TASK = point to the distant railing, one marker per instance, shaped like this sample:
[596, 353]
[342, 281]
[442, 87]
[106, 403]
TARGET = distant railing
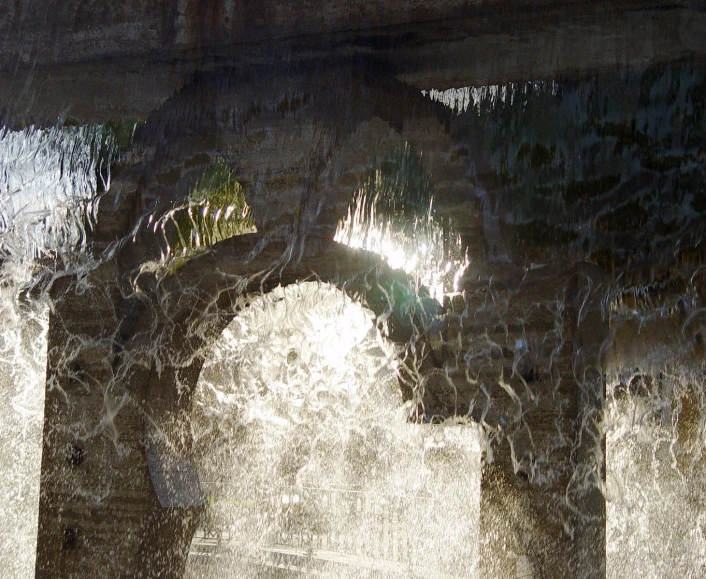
[315, 528]
[364, 524]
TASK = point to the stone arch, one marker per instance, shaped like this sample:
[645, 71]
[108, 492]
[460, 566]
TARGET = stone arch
[193, 321]
[151, 328]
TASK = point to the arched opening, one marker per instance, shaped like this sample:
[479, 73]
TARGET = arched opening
[307, 458]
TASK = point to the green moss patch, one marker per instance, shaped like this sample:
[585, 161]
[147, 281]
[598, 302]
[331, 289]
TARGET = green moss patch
[217, 211]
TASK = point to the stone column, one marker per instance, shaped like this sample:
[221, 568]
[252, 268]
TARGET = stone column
[542, 508]
[95, 495]
[585, 493]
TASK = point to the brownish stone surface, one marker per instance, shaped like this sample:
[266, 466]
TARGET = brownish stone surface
[37, 32]
[95, 63]
[119, 388]
[508, 357]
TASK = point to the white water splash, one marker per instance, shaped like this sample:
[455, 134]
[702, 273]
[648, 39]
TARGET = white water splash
[426, 251]
[302, 434]
[472, 97]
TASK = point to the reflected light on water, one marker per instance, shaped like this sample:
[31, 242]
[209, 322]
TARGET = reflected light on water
[422, 250]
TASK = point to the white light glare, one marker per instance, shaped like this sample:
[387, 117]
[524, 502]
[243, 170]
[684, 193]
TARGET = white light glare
[419, 253]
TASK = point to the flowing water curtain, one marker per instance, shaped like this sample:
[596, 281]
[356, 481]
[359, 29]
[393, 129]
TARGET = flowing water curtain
[300, 421]
[291, 360]
[23, 354]
[46, 177]
[655, 427]
[656, 481]
[474, 97]
[582, 163]
[50, 183]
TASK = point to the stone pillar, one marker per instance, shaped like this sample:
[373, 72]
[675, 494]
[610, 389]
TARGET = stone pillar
[542, 507]
[119, 496]
[95, 495]
[585, 492]
[522, 514]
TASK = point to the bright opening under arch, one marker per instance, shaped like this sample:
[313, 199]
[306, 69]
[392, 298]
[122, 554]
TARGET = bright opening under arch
[307, 458]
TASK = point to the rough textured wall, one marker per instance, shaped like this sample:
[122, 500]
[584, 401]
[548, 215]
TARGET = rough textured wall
[36, 32]
[92, 65]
